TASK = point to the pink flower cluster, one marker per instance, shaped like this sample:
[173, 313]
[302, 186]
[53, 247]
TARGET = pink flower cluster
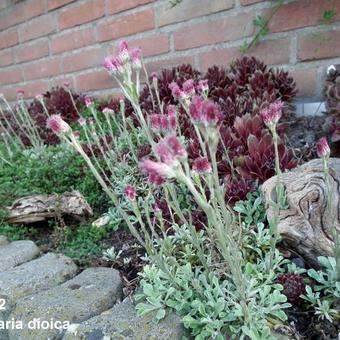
[125, 58]
[188, 88]
[272, 114]
[88, 101]
[204, 111]
[169, 150]
[57, 124]
[130, 192]
[161, 122]
[322, 148]
[201, 166]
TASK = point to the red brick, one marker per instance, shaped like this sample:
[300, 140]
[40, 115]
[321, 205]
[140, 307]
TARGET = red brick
[32, 51]
[116, 6]
[6, 57]
[38, 27]
[21, 12]
[319, 45]
[272, 52]
[42, 69]
[72, 40]
[306, 80]
[302, 13]
[126, 25]
[8, 38]
[80, 14]
[53, 4]
[188, 9]
[33, 88]
[156, 66]
[250, 2]
[11, 76]
[96, 80]
[226, 29]
[83, 59]
[152, 45]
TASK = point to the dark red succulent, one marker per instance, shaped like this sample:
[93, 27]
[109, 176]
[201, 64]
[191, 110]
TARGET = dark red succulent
[57, 101]
[293, 286]
[259, 163]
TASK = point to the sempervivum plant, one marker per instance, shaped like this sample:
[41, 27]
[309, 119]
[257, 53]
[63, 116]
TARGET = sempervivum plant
[56, 101]
[293, 286]
[248, 86]
[332, 92]
[241, 92]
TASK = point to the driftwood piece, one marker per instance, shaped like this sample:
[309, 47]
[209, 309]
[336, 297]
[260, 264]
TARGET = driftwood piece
[306, 223]
[38, 208]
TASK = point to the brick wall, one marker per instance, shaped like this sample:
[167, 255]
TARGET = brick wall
[45, 42]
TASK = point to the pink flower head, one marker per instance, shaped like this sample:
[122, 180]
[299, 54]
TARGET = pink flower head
[175, 146]
[205, 112]
[109, 111]
[165, 153]
[172, 112]
[188, 87]
[136, 58]
[155, 121]
[203, 85]
[113, 65]
[76, 134]
[57, 124]
[82, 121]
[157, 172]
[91, 121]
[88, 101]
[67, 84]
[322, 148]
[195, 108]
[109, 66]
[20, 93]
[123, 51]
[154, 76]
[39, 96]
[157, 209]
[164, 120]
[176, 91]
[201, 166]
[272, 114]
[130, 192]
[211, 113]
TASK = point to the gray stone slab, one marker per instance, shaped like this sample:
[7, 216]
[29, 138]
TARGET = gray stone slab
[37, 275]
[122, 323]
[86, 295]
[16, 253]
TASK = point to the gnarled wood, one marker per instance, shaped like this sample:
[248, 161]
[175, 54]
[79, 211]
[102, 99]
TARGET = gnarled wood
[306, 223]
[38, 208]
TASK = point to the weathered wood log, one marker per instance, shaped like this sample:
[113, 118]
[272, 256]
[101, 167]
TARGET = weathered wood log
[306, 223]
[36, 208]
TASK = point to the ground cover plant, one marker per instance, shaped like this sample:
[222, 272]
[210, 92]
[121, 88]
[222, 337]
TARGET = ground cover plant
[226, 277]
[177, 166]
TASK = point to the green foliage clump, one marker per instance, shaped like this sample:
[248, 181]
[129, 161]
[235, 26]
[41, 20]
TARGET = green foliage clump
[82, 242]
[51, 169]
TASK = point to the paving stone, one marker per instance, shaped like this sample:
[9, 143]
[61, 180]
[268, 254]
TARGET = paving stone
[37, 275]
[86, 295]
[32, 277]
[16, 253]
[3, 240]
[122, 323]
